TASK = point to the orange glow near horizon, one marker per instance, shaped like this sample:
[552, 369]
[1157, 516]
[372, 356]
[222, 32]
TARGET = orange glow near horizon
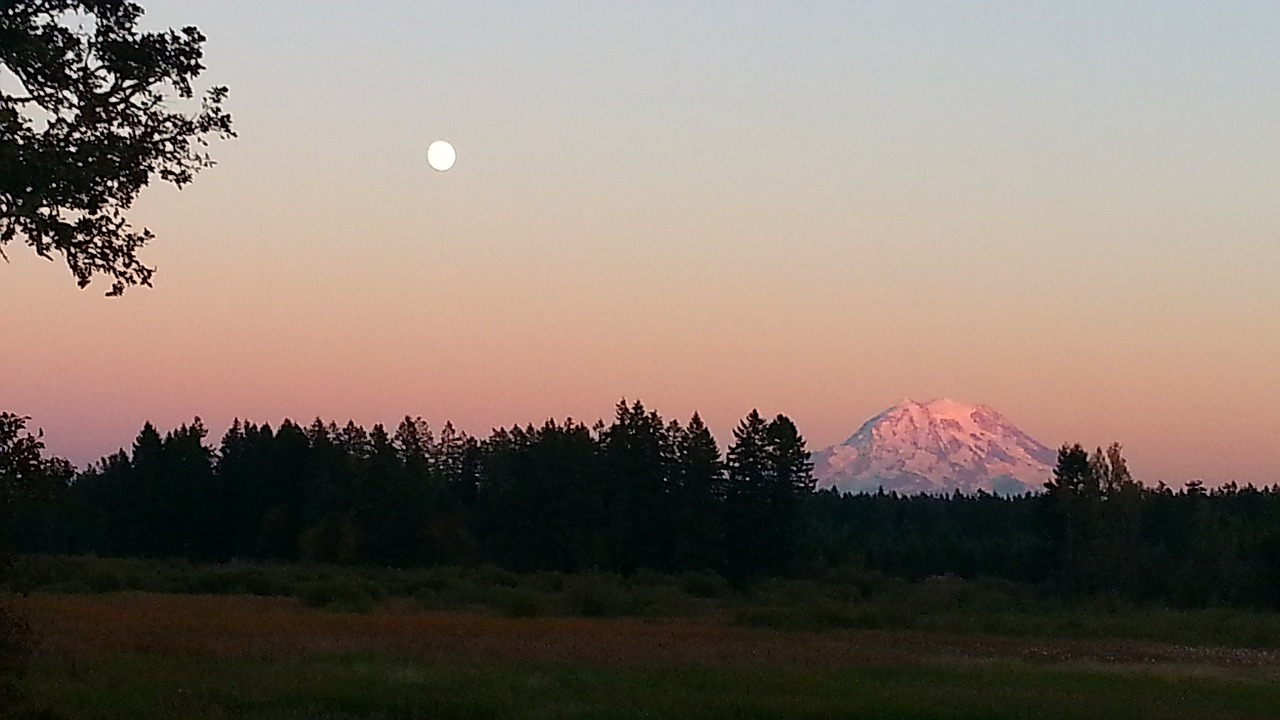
[817, 214]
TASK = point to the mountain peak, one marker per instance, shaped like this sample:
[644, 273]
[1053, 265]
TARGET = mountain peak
[936, 446]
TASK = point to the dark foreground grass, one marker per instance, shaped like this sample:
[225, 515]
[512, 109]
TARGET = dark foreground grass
[143, 687]
[148, 656]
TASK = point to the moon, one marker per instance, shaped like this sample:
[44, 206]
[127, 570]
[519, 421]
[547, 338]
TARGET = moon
[441, 156]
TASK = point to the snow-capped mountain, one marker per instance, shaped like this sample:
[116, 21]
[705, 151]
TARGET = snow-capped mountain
[936, 447]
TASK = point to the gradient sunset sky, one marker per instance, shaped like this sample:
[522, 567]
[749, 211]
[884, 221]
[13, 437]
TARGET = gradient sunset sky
[1067, 211]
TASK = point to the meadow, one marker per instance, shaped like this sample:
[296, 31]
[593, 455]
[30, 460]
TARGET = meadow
[839, 599]
[141, 639]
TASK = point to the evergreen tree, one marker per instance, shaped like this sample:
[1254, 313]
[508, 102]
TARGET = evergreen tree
[242, 461]
[747, 538]
[699, 495]
[187, 495]
[1070, 515]
[450, 459]
[415, 444]
[1094, 521]
[791, 469]
[455, 483]
[295, 491]
[567, 497]
[1118, 552]
[790, 483]
[639, 458]
[142, 504]
[541, 500]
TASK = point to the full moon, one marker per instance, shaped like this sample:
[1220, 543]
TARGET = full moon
[441, 155]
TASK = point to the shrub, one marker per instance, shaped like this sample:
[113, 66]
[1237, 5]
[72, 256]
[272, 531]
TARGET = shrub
[15, 651]
[661, 601]
[427, 599]
[826, 614]
[240, 581]
[597, 596]
[547, 581]
[345, 595]
[519, 602]
[495, 576]
[783, 591]
[104, 580]
[648, 578]
[705, 585]
[853, 583]
[463, 593]
[432, 581]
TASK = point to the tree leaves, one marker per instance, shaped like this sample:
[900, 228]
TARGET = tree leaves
[90, 124]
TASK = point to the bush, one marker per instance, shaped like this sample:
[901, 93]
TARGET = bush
[519, 602]
[495, 576]
[663, 601]
[428, 582]
[15, 651]
[547, 581]
[344, 595]
[784, 591]
[427, 599]
[827, 614]
[463, 593]
[597, 596]
[105, 580]
[237, 581]
[648, 578]
[853, 583]
[705, 585]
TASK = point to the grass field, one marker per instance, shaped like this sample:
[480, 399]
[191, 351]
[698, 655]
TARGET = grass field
[842, 599]
[142, 655]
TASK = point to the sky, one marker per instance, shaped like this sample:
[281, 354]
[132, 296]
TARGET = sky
[1066, 211]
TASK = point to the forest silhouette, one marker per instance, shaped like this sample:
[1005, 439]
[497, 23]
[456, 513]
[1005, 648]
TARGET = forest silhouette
[639, 493]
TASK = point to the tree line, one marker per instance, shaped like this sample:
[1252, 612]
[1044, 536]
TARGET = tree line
[641, 492]
[1093, 531]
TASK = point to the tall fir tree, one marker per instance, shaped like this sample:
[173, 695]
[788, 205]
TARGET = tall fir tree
[747, 553]
[639, 457]
[698, 498]
[790, 485]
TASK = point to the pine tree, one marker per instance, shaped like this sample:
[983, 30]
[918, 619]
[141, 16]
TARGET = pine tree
[790, 485]
[188, 495]
[1074, 523]
[639, 456]
[542, 499]
[455, 479]
[699, 495]
[142, 500]
[747, 535]
[1118, 552]
[415, 444]
[792, 470]
[450, 462]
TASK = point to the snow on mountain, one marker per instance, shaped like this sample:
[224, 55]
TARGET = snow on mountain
[936, 447]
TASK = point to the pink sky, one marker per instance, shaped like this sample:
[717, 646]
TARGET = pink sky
[1183, 405]
[817, 214]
